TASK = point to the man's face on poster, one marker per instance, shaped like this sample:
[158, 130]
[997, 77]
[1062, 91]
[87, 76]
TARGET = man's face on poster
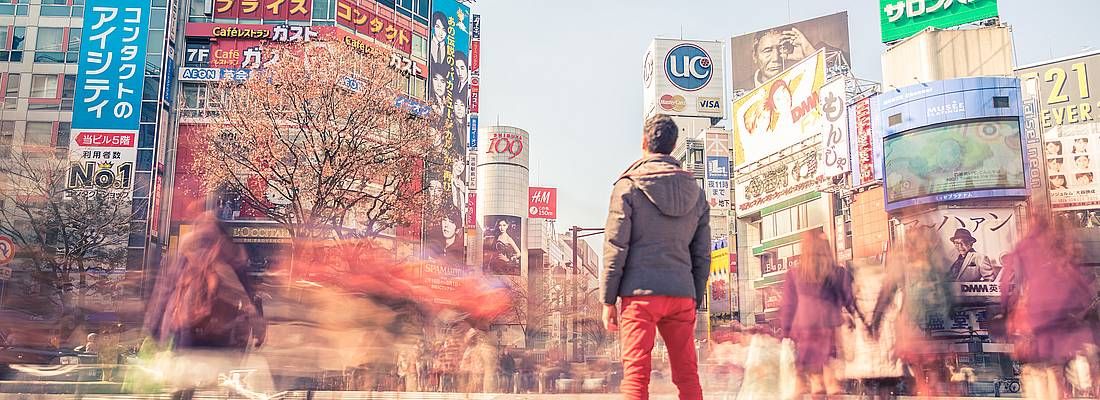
[770, 54]
[963, 246]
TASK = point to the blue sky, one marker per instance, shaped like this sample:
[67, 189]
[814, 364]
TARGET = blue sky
[569, 72]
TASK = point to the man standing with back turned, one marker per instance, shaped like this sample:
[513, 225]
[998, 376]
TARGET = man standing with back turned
[657, 259]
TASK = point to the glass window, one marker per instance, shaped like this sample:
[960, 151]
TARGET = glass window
[152, 87]
[43, 86]
[11, 92]
[55, 2]
[145, 160]
[68, 92]
[155, 42]
[157, 18]
[322, 9]
[49, 39]
[146, 136]
[56, 11]
[423, 10]
[63, 131]
[7, 137]
[39, 134]
[152, 65]
[74, 39]
[420, 47]
[19, 34]
[419, 88]
[198, 8]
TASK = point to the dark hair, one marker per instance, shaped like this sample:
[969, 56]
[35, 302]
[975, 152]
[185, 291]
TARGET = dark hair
[758, 36]
[660, 134]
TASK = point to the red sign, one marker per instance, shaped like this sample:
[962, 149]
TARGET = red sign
[290, 10]
[475, 93]
[381, 28]
[542, 203]
[471, 210]
[105, 139]
[863, 141]
[475, 56]
[771, 297]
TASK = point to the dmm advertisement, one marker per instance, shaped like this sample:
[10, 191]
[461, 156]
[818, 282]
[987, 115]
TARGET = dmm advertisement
[760, 56]
[501, 249]
[954, 161]
[109, 86]
[903, 18]
[780, 113]
[1064, 117]
[973, 244]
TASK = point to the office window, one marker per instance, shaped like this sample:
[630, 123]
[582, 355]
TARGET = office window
[420, 47]
[12, 39]
[43, 86]
[49, 45]
[57, 8]
[11, 92]
[7, 138]
[68, 92]
[64, 129]
[72, 52]
[39, 134]
[419, 88]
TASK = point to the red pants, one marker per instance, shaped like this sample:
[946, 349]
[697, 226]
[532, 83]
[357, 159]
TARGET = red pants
[674, 317]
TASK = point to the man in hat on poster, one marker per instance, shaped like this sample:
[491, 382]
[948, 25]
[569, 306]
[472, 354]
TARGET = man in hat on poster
[970, 266]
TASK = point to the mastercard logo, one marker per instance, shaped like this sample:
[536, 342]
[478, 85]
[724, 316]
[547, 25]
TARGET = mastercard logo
[673, 103]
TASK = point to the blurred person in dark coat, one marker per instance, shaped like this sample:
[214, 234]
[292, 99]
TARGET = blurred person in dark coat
[816, 295]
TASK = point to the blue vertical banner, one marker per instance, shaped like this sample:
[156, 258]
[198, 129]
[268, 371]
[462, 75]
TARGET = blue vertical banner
[109, 84]
[473, 132]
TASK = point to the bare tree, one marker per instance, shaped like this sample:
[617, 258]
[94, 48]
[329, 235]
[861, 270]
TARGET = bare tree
[74, 237]
[318, 143]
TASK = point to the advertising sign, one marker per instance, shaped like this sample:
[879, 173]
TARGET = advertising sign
[471, 210]
[718, 287]
[780, 113]
[789, 177]
[292, 10]
[472, 140]
[684, 78]
[718, 171]
[770, 297]
[448, 67]
[961, 160]
[760, 56]
[903, 18]
[833, 129]
[443, 239]
[109, 87]
[1059, 111]
[382, 28]
[974, 243]
[501, 248]
[506, 146]
[864, 160]
[542, 203]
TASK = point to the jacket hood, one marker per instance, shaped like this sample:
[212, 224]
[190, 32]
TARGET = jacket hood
[668, 186]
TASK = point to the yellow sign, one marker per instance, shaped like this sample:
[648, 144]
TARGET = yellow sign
[780, 112]
[720, 261]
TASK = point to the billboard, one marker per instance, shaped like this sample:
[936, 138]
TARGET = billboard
[109, 86]
[291, 10]
[901, 19]
[719, 287]
[383, 28]
[833, 129]
[862, 150]
[448, 68]
[1059, 116]
[760, 56]
[683, 78]
[718, 170]
[542, 203]
[779, 113]
[954, 161]
[973, 244]
[774, 183]
[502, 253]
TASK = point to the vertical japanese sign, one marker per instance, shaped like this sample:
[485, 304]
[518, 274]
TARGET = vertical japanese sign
[864, 166]
[542, 203]
[833, 129]
[475, 78]
[718, 170]
[903, 18]
[109, 85]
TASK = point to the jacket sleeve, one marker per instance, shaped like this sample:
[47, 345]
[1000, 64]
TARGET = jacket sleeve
[616, 241]
[700, 252]
[788, 304]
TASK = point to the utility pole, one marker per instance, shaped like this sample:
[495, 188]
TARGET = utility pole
[578, 233]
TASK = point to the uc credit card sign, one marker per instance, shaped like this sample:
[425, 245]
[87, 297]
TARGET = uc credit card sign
[107, 110]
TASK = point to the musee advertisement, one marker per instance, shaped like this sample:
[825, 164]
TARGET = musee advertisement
[780, 113]
[760, 56]
[1065, 119]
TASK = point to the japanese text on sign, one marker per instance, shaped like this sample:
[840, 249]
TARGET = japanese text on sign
[291, 10]
[382, 29]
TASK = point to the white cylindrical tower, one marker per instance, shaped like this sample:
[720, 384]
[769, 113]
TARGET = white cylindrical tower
[502, 182]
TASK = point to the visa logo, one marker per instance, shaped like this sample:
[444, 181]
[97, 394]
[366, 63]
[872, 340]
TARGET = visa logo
[709, 104]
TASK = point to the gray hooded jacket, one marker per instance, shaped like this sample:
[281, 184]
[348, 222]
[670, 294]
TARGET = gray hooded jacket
[657, 234]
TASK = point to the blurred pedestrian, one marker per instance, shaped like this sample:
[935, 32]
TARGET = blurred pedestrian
[924, 283]
[1046, 306]
[657, 259]
[90, 346]
[507, 369]
[816, 295]
[407, 370]
[761, 365]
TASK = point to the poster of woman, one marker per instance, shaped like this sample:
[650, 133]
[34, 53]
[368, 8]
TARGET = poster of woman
[502, 253]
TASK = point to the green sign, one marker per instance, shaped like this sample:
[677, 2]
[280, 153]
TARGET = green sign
[903, 18]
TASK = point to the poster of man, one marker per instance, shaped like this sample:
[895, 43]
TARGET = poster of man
[760, 56]
[502, 253]
[973, 245]
[445, 238]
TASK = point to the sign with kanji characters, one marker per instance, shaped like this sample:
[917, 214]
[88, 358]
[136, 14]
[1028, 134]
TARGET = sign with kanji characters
[833, 129]
[903, 18]
[276, 33]
[863, 159]
[109, 88]
[543, 203]
[290, 10]
[379, 27]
